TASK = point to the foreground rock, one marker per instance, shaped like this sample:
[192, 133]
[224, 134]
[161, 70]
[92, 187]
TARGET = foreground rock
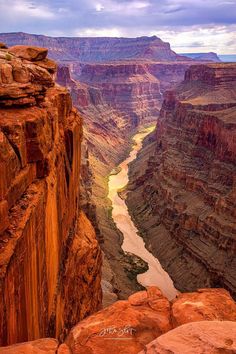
[128, 326]
[29, 53]
[39, 346]
[50, 261]
[210, 337]
[205, 304]
[125, 326]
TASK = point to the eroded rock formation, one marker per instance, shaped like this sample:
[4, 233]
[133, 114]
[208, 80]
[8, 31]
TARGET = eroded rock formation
[50, 261]
[183, 183]
[148, 317]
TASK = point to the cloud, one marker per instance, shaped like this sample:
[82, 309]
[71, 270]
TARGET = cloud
[186, 24]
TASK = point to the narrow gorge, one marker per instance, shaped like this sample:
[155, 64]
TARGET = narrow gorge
[132, 242]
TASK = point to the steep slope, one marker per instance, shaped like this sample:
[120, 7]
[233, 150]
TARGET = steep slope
[50, 261]
[183, 183]
[97, 49]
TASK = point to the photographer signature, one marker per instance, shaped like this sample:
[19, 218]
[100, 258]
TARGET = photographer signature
[113, 333]
[120, 332]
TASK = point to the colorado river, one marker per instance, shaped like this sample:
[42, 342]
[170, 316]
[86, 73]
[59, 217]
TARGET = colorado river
[133, 243]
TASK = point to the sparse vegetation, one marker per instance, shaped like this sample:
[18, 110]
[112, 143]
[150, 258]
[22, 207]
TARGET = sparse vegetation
[8, 57]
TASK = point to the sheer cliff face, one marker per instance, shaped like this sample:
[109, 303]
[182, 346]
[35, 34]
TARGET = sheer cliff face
[127, 87]
[97, 49]
[188, 189]
[50, 261]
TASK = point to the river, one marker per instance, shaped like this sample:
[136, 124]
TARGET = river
[133, 243]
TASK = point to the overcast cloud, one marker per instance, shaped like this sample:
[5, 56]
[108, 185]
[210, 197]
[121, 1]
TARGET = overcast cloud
[190, 26]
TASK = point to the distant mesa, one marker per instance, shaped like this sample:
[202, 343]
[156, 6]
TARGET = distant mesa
[102, 49]
[210, 56]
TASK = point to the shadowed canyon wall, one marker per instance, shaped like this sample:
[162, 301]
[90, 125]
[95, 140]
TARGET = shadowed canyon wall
[183, 196]
[50, 261]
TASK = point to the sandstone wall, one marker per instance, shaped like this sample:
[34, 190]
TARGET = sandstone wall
[184, 202]
[50, 261]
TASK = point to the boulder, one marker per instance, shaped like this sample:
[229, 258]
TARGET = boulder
[206, 337]
[29, 52]
[126, 326]
[3, 45]
[205, 304]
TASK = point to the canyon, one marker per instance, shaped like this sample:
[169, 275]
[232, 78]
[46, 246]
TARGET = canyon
[182, 185]
[57, 161]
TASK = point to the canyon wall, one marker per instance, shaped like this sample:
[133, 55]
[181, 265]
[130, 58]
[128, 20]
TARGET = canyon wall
[183, 184]
[97, 49]
[50, 261]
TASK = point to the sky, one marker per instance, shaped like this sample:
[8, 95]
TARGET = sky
[189, 25]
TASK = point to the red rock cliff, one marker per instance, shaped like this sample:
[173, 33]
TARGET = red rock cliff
[50, 260]
[189, 184]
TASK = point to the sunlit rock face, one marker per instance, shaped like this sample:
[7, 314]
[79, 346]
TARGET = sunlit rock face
[50, 261]
[145, 322]
[188, 210]
[211, 337]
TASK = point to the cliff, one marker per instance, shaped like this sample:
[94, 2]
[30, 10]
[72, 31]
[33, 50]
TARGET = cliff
[50, 261]
[101, 49]
[128, 87]
[183, 183]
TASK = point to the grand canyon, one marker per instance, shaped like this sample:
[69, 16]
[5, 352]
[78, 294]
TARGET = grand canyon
[117, 197]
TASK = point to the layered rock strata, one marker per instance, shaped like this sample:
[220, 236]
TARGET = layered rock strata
[183, 183]
[127, 87]
[50, 261]
[97, 49]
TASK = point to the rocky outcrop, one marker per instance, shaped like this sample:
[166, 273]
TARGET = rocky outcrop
[185, 178]
[50, 261]
[125, 326]
[205, 304]
[211, 337]
[97, 49]
[148, 317]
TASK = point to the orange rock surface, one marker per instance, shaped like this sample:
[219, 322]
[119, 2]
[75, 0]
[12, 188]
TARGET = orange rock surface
[205, 304]
[50, 261]
[127, 327]
[39, 346]
[124, 327]
[207, 337]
